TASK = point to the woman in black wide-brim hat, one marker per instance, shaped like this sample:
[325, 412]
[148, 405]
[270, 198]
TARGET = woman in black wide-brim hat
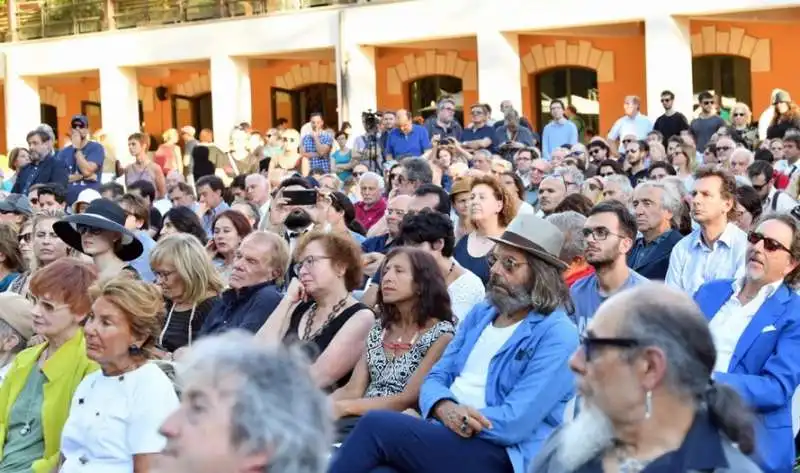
[100, 232]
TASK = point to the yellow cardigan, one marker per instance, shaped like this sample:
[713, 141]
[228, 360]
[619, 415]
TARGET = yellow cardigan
[65, 369]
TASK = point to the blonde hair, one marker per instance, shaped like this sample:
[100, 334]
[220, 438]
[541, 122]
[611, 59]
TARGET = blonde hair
[141, 303]
[170, 134]
[748, 115]
[192, 265]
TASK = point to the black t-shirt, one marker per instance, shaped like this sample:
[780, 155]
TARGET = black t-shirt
[180, 324]
[671, 125]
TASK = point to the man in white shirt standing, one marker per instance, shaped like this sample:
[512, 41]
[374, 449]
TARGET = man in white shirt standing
[257, 191]
[717, 248]
[16, 328]
[755, 322]
[632, 123]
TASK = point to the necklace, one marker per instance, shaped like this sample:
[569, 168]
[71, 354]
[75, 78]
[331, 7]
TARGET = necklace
[628, 464]
[313, 314]
[450, 271]
[391, 348]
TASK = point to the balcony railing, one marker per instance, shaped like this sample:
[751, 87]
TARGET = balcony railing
[51, 18]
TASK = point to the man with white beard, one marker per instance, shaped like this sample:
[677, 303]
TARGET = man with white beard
[649, 402]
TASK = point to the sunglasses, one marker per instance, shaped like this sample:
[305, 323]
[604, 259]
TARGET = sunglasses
[606, 174]
[770, 244]
[738, 114]
[708, 102]
[594, 151]
[78, 126]
[86, 229]
[589, 344]
[758, 187]
[666, 100]
[25, 238]
[358, 174]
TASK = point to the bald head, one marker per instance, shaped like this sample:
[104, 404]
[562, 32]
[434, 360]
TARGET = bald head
[257, 189]
[395, 211]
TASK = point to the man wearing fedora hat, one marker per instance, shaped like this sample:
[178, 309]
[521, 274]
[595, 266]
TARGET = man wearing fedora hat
[100, 232]
[16, 328]
[503, 382]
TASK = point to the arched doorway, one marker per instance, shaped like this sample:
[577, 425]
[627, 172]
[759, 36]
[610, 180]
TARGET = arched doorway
[50, 117]
[423, 93]
[575, 86]
[728, 76]
[194, 111]
[296, 105]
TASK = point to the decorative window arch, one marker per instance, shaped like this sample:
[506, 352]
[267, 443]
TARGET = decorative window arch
[425, 92]
[574, 85]
[300, 75]
[564, 54]
[431, 63]
[734, 42]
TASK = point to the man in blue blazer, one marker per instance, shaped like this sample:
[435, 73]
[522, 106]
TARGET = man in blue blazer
[755, 322]
[501, 386]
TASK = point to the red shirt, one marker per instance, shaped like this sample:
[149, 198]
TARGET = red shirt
[573, 273]
[370, 216]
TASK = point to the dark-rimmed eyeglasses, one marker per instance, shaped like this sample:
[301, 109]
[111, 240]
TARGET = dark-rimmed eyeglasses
[770, 244]
[590, 343]
[599, 233]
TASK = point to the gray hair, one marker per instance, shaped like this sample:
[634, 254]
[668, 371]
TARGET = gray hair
[276, 409]
[676, 183]
[670, 199]
[623, 182]
[7, 330]
[483, 152]
[662, 317]
[255, 212]
[373, 176]
[417, 170]
[445, 100]
[569, 171]
[571, 225]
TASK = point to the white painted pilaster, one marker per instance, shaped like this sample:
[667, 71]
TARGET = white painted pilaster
[498, 70]
[358, 83]
[23, 106]
[668, 62]
[231, 97]
[119, 99]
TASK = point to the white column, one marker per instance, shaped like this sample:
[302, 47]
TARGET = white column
[668, 62]
[23, 107]
[358, 83]
[231, 99]
[499, 70]
[119, 98]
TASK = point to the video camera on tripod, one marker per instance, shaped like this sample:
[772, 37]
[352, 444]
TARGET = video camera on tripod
[371, 121]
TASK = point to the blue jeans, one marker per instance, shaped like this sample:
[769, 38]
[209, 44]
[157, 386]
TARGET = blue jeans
[391, 442]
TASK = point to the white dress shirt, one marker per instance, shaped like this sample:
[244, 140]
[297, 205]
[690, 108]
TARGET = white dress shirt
[733, 317]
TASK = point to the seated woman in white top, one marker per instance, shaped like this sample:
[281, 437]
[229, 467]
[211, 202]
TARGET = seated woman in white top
[433, 232]
[116, 412]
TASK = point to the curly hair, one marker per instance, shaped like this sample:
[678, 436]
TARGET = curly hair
[508, 211]
[433, 300]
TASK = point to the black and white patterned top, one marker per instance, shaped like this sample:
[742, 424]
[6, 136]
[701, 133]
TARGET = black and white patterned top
[389, 376]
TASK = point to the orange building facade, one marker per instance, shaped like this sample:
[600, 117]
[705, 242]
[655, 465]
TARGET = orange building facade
[742, 56]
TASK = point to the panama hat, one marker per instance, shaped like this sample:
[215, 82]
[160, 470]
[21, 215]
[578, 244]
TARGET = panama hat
[536, 236]
[105, 215]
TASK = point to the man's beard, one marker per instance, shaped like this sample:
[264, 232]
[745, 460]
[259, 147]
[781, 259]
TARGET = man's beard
[601, 261]
[297, 219]
[584, 438]
[508, 300]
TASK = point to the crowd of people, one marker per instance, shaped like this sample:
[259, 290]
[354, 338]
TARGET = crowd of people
[427, 296]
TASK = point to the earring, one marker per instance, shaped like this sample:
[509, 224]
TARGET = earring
[133, 350]
[648, 404]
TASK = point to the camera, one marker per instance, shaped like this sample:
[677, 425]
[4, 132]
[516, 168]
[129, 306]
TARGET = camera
[371, 120]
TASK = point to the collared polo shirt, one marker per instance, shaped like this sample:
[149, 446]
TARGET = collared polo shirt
[414, 144]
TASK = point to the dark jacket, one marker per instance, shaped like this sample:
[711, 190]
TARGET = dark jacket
[652, 261]
[245, 309]
[47, 171]
[704, 450]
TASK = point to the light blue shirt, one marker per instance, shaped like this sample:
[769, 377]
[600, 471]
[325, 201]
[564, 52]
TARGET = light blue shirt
[638, 125]
[587, 296]
[557, 133]
[693, 263]
[142, 263]
[211, 215]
